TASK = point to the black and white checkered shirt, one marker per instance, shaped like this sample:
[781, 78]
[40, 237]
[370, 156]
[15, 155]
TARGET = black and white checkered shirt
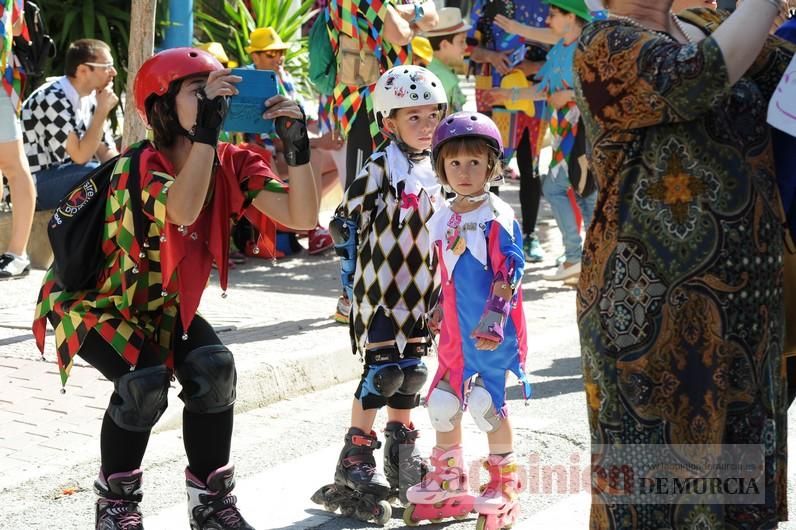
[48, 116]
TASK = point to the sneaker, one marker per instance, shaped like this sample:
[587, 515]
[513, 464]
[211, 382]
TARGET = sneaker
[563, 272]
[343, 311]
[533, 249]
[12, 266]
[320, 240]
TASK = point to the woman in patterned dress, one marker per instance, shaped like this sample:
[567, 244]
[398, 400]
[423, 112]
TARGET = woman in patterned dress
[680, 297]
[139, 326]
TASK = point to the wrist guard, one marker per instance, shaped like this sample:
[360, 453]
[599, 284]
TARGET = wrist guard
[293, 134]
[210, 114]
[493, 320]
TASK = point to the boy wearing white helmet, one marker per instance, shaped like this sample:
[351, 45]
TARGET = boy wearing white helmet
[387, 272]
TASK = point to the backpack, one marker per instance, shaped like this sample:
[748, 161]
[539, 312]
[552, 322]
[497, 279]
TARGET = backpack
[76, 227]
[323, 62]
[33, 54]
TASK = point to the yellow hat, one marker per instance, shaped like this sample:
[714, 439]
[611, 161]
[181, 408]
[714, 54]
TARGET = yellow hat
[265, 39]
[516, 79]
[216, 50]
[421, 47]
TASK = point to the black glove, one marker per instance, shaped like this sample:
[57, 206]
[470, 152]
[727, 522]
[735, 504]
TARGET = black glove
[210, 114]
[293, 134]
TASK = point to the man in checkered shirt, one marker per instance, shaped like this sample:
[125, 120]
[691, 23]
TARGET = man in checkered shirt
[66, 132]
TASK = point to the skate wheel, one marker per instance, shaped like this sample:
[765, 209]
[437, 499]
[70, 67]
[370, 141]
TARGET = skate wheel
[461, 517]
[382, 513]
[347, 511]
[436, 520]
[409, 511]
[331, 507]
[480, 524]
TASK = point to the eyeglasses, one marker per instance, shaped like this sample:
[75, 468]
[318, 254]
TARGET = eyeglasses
[106, 66]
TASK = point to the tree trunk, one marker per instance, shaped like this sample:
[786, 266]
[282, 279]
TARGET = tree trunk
[142, 44]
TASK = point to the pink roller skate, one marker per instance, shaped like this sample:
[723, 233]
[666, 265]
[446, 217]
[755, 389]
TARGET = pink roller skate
[498, 505]
[443, 493]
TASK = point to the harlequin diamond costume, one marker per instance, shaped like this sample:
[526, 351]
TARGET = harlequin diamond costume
[139, 326]
[388, 273]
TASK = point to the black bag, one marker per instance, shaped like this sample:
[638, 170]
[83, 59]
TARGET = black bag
[580, 173]
[76, 228]
[34, 54]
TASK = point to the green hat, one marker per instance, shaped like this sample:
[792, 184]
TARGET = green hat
[576, 7]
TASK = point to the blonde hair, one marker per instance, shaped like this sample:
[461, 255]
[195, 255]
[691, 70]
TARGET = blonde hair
[468, 146]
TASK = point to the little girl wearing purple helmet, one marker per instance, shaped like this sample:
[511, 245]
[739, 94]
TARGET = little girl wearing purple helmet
[481, 325]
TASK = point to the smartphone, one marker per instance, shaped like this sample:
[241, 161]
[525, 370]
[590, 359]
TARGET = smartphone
[246, 108]
[517, 56]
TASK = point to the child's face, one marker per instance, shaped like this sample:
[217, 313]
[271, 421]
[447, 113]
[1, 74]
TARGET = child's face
[560, 23]
[467, 172]
[452, 52]
[415, 125]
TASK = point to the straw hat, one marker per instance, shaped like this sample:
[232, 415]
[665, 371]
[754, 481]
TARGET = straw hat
[265, 39]
[450, 22]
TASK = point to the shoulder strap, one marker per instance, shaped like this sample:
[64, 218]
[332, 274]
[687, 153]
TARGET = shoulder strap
[134, 185]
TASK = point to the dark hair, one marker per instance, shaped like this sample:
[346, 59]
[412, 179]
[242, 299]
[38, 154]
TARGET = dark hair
[82, 51]
[436, 42]
[161, 113]
[467, 145]
[579, 20]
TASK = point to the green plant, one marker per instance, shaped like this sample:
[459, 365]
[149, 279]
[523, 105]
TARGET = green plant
[230, 22]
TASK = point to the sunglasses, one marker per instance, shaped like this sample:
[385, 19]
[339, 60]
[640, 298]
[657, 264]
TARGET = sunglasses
[106, 66]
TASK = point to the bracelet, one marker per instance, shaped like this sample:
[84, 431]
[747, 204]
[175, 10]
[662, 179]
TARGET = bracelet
[515, 94]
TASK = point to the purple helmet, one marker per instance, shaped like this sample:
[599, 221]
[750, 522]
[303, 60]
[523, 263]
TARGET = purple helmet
[464, 124]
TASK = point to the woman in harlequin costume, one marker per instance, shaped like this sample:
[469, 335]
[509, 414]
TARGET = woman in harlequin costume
[139, 325]
[481, 323]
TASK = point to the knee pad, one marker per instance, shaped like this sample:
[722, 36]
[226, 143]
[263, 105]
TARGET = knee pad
[208, 378]
[139, 399]
[382, 380]
[444, 407]
[415, 375]
[482, 409]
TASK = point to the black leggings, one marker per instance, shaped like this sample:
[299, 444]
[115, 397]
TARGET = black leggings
[359, 145]
[207, 437]
[530, 183]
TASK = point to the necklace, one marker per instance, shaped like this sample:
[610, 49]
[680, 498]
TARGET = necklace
[659, 32]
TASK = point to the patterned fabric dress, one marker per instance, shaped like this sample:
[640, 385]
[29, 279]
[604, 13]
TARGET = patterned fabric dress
[143, 291]
[363, 20]
[472, 249]
[680, 298]
[391, 201]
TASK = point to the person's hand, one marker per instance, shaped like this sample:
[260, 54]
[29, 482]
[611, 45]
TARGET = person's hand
[106, 99]
[221, 83]
[497, 96]
[560, 99]
[507, 25]
[499, 61]
[291, 126]
[434, 320]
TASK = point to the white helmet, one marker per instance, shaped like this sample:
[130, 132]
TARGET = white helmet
[406, 86]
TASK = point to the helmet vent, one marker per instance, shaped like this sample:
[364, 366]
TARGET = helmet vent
[193, 54]
[473, 118]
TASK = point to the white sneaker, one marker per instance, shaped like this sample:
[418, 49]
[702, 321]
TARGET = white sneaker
[562, 273]
[12, 266]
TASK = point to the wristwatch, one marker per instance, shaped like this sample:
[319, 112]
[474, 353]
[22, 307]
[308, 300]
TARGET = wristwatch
[419, 13]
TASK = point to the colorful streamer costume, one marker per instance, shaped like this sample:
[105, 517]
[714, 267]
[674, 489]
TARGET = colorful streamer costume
[13, 76]
[474, 248]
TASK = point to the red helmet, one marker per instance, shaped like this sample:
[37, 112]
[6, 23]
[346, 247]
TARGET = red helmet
[161, 69]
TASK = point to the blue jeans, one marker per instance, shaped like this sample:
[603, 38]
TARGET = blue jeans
[54, 183]
[555, 190]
